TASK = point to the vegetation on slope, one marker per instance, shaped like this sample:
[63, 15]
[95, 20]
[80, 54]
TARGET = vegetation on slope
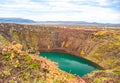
[3, 40]
[107, 54]
[18, 66]
[107, 50]
[103, 76]
[97, 45]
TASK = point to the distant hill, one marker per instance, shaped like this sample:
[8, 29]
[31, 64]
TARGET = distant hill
[15, 20]
[28, 21]
[77, 23]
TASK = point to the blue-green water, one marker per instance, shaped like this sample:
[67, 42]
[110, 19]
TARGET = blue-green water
[70, 63]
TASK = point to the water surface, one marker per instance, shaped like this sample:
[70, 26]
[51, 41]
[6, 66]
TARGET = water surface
[70, 63]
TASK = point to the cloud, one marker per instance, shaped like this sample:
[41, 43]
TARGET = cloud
[72, 10]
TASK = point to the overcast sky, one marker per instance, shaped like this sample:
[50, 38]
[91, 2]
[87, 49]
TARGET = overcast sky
[104, 11]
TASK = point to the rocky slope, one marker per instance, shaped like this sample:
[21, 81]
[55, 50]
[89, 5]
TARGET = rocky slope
[17, 66]
[103, 76]
[91, 42]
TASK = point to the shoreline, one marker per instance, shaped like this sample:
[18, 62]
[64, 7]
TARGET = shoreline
[63, 50]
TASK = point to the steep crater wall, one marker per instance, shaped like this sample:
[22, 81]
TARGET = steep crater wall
[41, 37]
[93, 44]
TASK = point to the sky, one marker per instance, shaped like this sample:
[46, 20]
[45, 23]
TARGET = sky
[103, 11]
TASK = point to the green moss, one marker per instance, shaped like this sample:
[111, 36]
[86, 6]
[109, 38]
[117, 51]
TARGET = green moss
[6, 56]
[33, 66]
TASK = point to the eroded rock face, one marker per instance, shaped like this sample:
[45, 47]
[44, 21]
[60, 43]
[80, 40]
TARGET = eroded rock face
[41, 37]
